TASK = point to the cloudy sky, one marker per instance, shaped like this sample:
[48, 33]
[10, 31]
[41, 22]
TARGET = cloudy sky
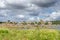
[29, 10]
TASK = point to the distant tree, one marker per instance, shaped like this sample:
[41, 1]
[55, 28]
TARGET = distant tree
[56, 22]
[46, 23]
[24, 23]
[1, 22]
[32, 23]
[8, 21]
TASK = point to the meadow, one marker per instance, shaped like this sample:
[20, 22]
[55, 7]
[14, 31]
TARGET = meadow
[34, 34]
[28, 31]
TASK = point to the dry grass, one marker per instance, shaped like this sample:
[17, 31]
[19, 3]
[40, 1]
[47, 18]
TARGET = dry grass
[22, 26]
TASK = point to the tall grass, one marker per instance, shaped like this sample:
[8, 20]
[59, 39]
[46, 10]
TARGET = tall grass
[42, 34]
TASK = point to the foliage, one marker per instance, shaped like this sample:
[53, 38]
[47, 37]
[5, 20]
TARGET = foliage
[56, 22]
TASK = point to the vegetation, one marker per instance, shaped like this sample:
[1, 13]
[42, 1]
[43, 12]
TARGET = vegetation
[15, 33]
[42, 34]
[56, 22]
[32, 23]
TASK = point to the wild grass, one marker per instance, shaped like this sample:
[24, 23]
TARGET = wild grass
[34, 34]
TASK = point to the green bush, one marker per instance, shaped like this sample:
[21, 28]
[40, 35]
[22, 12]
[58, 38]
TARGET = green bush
[42, 34]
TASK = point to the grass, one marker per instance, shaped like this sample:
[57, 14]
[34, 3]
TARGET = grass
[41, 34]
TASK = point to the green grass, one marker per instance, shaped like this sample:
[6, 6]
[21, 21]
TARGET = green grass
[42, 34]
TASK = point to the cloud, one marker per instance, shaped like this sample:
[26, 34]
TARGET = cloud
[20, 16]
[2, 3]
[14, 4]
[25, 4]
[54, 16]
[33, 18]
[44, 3]
[29, 8]
[3, 13]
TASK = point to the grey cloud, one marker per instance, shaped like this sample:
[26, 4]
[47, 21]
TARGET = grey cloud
[15, 6]
[27, 8]
[58, 18]
[44, 3]
[35, 13]
[2, 16]
[57, 6]
[23, 5]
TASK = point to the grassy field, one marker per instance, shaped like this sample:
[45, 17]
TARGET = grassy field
[34, 34]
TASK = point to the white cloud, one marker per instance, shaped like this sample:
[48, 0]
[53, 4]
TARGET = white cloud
[33, 19]
[2, 4]
[53, 16]
[20, 16]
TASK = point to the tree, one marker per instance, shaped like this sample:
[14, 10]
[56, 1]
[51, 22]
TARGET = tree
[8, 21]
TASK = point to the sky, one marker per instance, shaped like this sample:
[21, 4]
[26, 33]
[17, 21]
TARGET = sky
[29, 10]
